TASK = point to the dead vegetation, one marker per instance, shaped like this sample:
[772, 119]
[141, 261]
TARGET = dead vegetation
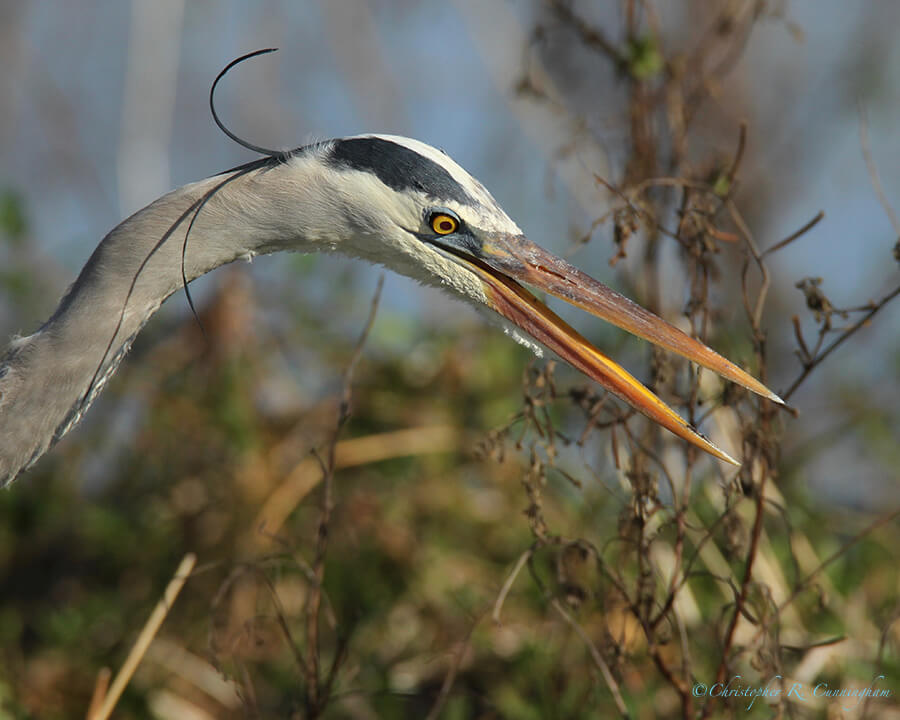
[470, 543]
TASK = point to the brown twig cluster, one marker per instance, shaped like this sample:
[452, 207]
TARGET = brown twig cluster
[666, 192]
[274, 625]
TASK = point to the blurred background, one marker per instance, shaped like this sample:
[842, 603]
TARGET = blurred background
[469, 454]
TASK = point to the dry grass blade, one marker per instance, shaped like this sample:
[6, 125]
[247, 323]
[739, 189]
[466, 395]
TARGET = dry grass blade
[197, 671]
[307, 474]
[151, 627]
[101, 685]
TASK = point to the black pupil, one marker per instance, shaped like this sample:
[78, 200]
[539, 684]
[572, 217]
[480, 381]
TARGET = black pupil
[446, 225]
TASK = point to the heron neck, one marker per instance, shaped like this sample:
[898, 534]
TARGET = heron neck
[48, 380]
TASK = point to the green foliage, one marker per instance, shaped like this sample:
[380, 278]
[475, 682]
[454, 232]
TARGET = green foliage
[13, 225]
[644, 57]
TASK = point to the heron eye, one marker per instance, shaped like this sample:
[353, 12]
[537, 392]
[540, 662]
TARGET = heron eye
[444, 224]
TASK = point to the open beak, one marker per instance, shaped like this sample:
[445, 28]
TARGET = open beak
[505, 259]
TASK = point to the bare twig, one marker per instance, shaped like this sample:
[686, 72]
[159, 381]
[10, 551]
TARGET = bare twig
[882, 521]
[315, 703]
[589, 35]
[795, 235]
[450, 677]
[879, 656]
[595, 654]
[754, 314]
[873, 170]
[508, 583]
[741, 601]
[819, 357]
[738, 156]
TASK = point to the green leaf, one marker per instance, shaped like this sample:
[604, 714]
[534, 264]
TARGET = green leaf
[644, 58]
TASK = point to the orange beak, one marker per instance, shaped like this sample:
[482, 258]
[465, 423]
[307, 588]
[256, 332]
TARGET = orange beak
[504, 259]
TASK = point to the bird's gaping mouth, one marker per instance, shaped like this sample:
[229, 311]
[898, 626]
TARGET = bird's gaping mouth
[507, 260]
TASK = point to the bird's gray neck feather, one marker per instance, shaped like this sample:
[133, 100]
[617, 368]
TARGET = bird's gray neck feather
[48, 379]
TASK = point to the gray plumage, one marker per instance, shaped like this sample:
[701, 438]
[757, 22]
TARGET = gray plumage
[321, 198]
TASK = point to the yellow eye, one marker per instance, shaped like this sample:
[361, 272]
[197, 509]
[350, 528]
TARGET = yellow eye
[443, 224]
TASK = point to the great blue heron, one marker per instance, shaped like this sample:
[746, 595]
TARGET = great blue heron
[387, 199]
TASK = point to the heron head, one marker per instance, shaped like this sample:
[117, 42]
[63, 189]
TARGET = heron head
[412, 208]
